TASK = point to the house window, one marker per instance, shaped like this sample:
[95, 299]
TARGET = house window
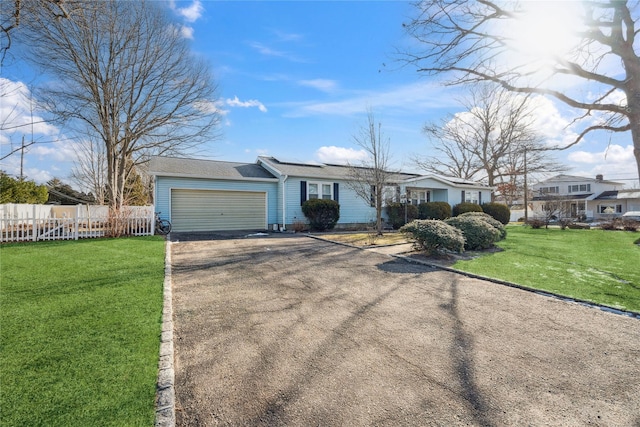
[579, 188]
[389, 194]
[318, 190]
[420, 196]
[472, 197]
[550, 190]
[609, 209]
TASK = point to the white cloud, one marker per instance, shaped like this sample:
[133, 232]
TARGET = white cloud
[614, 153]
[191, 13]
[186, 32]
[408, 98]
[266, 50]
[323, 85]
[614, 162]
[19, 112]
[235, 102]
[287, 37]
[340, 155]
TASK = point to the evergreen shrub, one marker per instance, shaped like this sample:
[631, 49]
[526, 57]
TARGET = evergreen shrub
[434, 210]
[489, 220]
[433, 236]
[395, 213]
[478, 234]
[466, 207]
[498, 211]
[323, 214]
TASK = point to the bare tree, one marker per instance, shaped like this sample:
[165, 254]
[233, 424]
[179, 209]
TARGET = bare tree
[467, 41]
[89, 171]
[13, 15]
[370, 179]
[125, 77]
[488, 141]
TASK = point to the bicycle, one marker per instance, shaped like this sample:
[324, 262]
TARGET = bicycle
[163, 226]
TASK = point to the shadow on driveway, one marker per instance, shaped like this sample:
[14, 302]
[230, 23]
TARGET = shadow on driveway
[281, 331]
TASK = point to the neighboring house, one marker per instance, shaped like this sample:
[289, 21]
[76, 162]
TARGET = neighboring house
[584, 198]
[206, 195]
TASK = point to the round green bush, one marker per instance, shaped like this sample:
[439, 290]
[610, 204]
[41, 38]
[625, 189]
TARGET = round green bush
[434, 210]
[433, 236]
[489, 220]
[323, 214]
[466, 207]
[478, 234]
[395, 213]
[498, 211]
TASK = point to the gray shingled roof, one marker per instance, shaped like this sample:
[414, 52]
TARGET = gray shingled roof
[174, 166]
[326, 171]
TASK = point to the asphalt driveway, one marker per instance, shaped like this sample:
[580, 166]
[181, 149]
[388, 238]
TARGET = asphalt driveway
[295, 331]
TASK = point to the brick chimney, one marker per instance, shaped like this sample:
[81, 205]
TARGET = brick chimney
[599, 177]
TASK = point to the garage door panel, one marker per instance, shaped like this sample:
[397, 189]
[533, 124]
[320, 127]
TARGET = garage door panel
[210, 210]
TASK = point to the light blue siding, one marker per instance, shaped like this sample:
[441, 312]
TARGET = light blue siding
[352, 208]
[164, 185]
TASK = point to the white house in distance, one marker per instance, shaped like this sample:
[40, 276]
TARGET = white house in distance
[207, 195]
[585, 198]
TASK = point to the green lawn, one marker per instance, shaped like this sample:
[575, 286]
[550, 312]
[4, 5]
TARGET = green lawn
[593, 265]
[80, 332]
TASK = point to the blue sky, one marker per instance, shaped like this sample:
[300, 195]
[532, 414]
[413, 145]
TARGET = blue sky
[295, 80]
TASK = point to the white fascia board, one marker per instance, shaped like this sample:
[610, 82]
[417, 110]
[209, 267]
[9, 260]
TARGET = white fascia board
[267, 165]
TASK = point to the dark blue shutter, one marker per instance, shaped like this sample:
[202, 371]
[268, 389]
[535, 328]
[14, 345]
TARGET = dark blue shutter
[479, 197]
[462, 197]
[373, 196]
[336, 192]
[303, 192]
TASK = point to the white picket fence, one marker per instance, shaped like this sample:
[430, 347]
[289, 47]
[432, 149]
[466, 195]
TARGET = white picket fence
[24, 222]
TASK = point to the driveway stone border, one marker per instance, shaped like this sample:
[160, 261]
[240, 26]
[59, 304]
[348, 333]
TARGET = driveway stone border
[165, 392]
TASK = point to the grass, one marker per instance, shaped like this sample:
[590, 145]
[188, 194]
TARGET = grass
[80, 332]
[592, 265]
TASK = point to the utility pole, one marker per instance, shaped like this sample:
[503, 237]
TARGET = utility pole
[526, 190]
[22, 160]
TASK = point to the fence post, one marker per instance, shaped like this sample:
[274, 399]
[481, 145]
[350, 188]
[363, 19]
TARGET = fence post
[34, 224]
[76, 223]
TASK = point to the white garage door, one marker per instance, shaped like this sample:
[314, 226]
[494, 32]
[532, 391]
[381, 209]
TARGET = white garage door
[211, 210]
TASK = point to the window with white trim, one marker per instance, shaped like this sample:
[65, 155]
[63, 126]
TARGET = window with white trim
[319, 190]
[419, 196]
[609, 209]
[472, 197]
[389, 194]
[549, 190]
[579, 188]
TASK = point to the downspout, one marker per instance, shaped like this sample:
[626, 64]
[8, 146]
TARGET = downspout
[284, 204]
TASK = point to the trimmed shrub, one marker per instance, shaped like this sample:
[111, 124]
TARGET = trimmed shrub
[323, 214]
[466, 207]
[434, 210]
[478, 234]
[433, 236]
[630, 225]
[395, 213]
[536, 223]
[498, 211]
[489, 220]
